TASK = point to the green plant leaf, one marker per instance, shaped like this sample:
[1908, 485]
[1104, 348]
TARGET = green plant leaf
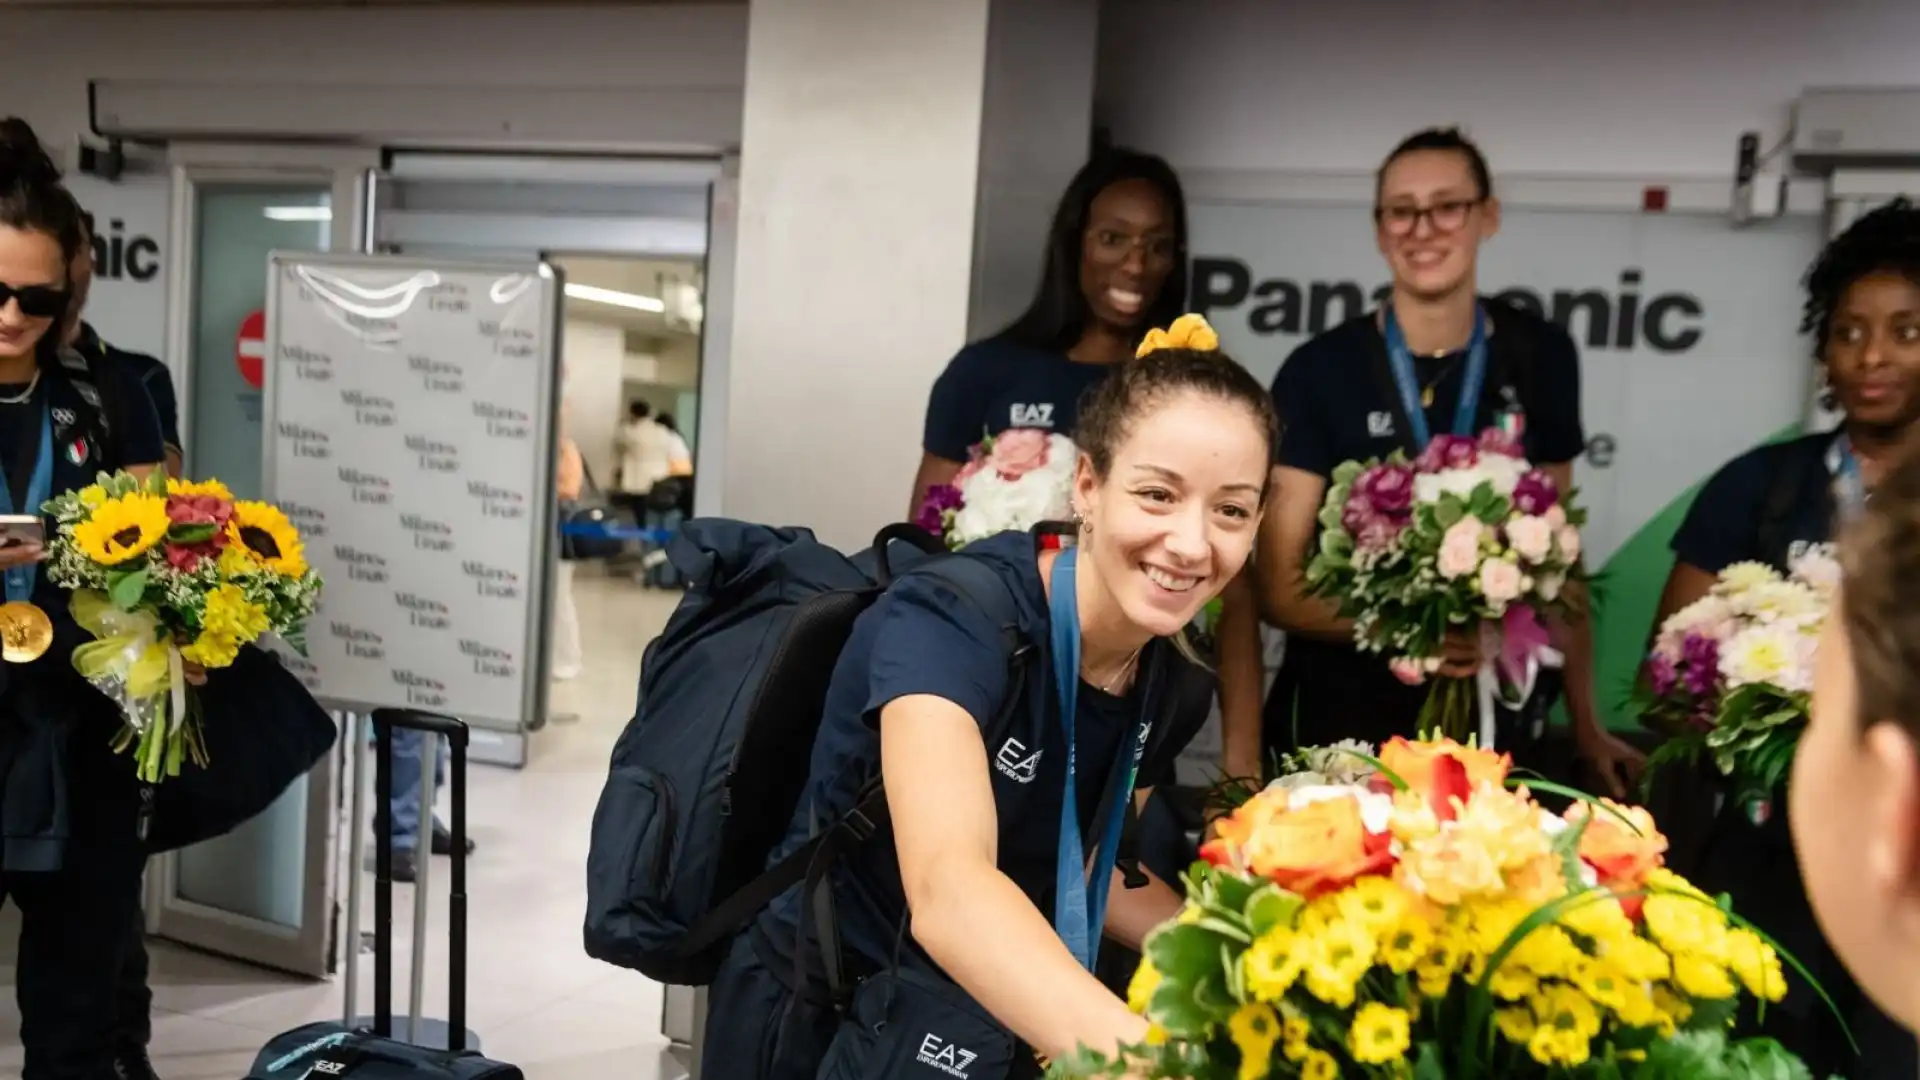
[191, 534]
[126, 588]
[1184, 952]
[1448, 512]
[1271, 906]
[157, 483]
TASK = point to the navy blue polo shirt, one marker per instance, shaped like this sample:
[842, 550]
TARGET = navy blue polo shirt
[1337, 403]
[150, 373]
[1725, 524]
[923, 638]
[997, 384]
[59, 777]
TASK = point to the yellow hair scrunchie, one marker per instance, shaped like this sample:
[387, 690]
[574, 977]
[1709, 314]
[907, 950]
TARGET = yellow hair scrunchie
[1187, 332]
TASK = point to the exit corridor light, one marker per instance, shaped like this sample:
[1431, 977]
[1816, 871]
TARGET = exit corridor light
[299, 213]
[617, 299]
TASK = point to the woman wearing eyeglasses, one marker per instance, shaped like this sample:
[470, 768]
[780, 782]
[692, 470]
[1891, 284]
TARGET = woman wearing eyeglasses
[1435, 358]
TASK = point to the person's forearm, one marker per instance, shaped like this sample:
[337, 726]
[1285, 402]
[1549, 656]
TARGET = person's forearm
[1571, 631]
[1285, 603]
[984, 932]
[1132, 914]
[1241, 670]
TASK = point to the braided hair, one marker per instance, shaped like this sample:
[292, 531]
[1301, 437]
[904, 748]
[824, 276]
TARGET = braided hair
[1885, 240]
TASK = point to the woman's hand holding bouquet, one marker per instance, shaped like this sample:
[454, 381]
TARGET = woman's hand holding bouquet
[1468, 540]
[168, 576]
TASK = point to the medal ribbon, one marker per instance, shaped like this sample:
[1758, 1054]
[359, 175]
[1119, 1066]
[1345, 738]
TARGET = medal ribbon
[1849, 490]
[1400, 359]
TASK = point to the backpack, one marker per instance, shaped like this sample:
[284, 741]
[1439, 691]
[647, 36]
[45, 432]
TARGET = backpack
[705, 779]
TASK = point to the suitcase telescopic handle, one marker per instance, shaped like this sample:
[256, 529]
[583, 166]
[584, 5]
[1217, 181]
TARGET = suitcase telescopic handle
[385, 722]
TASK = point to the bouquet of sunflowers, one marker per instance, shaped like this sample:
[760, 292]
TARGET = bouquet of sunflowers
[1428, 919]
[165, 572]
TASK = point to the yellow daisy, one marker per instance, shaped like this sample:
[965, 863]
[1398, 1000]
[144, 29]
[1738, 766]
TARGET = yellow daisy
[122, 529]
[265, 535]
[190, 488]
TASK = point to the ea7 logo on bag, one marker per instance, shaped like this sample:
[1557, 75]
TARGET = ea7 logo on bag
[329, 1068]
[1038, 415]
[948, 1057]
[1015, 763]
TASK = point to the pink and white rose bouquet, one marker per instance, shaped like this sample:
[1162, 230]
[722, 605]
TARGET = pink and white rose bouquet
[1732, 672]
[1469, 537]
[1014, 480]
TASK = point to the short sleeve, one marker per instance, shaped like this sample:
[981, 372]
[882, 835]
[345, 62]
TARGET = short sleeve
[1554, 431]
[1722, 526]
[956, 407]
[166, 406]
[932, 641]
[1306, 442]
[140, 438]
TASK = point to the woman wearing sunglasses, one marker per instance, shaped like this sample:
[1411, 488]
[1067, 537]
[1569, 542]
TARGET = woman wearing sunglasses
[71, 855]
[1434, 358]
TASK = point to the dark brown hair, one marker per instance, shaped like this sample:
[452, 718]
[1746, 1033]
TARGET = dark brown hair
[1449, 139]
[31, 195]
[1880, 567]
[1144, 383]
[1885, 240]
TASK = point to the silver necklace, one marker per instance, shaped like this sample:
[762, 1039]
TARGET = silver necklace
[1125, 670]
[23, 395]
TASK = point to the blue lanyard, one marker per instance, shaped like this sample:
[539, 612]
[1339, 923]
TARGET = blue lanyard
[20, 579]
[1467, 409]
[1849, 490]
[1080, 895]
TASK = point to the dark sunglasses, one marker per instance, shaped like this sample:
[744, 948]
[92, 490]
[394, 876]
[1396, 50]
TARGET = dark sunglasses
[36, 301]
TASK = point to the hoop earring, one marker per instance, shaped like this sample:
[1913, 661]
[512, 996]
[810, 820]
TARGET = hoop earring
[1081, 523]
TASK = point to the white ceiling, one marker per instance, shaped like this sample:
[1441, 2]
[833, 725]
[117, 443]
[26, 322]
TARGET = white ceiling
[641, 277]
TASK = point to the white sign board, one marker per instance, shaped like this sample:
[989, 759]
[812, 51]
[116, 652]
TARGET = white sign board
[409, 416]
[128, 305]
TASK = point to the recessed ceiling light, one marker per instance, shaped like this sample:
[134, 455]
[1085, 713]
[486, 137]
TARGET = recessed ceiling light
[618, 299]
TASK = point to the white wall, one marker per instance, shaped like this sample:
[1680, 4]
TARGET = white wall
[50, 55]
[1580, 87]
[595, 355]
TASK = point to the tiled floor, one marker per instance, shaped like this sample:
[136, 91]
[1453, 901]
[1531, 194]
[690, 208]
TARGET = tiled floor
[535, 998]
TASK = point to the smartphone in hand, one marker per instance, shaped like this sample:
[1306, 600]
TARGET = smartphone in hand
[18, 530]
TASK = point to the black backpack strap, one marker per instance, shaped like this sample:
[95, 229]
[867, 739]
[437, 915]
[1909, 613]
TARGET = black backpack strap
[1787, 476]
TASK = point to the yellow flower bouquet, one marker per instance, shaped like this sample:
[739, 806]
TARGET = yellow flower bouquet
[1431, 921]
[165, 572]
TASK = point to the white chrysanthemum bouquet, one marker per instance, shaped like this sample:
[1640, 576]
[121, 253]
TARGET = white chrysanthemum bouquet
[1014, 480]
[1733, 671]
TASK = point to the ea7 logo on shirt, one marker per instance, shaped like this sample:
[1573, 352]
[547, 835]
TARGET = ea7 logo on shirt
[1015, 763]
[948, 1057]
[1037, 415]
[1379, 425]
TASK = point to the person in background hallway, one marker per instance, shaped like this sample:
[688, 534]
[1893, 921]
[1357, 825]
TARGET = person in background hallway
[1770, 504]
[72, 861]
[1434, 207]
[1175, 453]
[646, 457]
[568, 479]
[1855, 789]
[133, 1011]
[679, 455]
[1115, 264]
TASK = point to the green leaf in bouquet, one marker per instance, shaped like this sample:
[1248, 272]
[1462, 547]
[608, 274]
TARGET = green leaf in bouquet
[296, 639]
[1227, 892]
[1335, 543]
[1178, 1007]
[1271, 906]
[119, 484]
[1345, 473]
[1482, 502]
[126, 587]
[156, 483]
[1765, 1059]
[1448, 512]
[1428, 1063]
[1330, 514]
[191, 534]
[1184, 953]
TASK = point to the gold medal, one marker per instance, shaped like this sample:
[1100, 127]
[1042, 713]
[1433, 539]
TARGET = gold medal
[25, 632]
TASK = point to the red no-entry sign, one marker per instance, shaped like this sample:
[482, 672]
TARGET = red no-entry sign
[250, 349]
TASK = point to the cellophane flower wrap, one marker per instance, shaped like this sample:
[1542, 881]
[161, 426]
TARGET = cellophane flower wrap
[1468, 537]
[1430, 920]
[164, 572]
[1731, 674]
[1014, 480]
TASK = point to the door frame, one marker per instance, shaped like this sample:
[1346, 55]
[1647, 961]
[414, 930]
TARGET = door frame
[310, 948]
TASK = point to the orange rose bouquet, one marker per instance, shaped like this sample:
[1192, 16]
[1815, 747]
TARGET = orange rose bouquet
[1426, 918]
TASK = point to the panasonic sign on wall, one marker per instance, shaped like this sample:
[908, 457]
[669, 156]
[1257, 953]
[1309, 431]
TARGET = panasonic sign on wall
[129, 301]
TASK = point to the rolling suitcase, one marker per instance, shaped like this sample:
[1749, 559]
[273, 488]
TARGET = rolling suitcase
[330, 1049]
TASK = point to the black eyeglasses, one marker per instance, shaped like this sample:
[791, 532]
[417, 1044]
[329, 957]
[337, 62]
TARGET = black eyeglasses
[1446, 216]
[36, 301]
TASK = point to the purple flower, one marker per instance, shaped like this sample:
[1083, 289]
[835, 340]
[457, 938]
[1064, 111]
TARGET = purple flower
[1496, 441]
[1700, 655]
[1388, 489]
[1662, 675]
[1535, 493]
[1448, 452]
[933, 510]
